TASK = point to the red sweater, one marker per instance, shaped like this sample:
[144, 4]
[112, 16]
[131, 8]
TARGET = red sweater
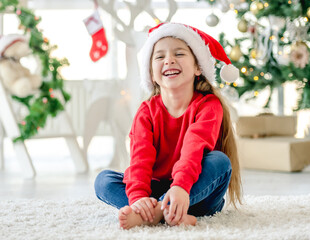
[164, 147]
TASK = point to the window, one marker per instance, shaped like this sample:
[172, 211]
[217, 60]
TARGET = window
[62, 23]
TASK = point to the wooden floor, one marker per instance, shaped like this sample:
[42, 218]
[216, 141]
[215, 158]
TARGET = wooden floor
[56, 177]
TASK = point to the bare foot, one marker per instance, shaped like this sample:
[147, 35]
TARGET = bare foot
[186, 220]
[128, 218]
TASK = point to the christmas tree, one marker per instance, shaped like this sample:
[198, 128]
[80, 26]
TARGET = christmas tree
[278, 35]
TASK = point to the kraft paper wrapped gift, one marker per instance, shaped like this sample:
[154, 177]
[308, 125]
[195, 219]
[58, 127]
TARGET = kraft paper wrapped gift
[274, 153]
[266, 125]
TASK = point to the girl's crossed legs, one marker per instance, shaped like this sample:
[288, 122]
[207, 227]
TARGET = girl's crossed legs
[206, 195]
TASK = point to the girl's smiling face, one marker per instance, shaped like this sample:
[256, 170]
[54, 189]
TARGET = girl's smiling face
[173, 64]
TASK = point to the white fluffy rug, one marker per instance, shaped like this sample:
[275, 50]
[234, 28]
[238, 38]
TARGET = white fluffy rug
[266, 217]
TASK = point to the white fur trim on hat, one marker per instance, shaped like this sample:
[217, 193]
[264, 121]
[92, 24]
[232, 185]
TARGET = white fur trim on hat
[7, 40]
[190, 37]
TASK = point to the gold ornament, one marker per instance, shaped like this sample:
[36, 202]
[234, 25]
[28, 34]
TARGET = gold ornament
[253, 53]
[308, 12]
[260, 6]
[243, 26]
[235, 53]
[255, 7]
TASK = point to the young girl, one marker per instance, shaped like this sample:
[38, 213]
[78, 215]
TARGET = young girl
[183, 152]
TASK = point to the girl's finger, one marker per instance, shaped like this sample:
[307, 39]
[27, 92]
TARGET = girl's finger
[172, 210]
[143, 214]
[151, 208]
[149, 216]
[154, 202]
[165, 202]
[178, 215]
[135, 209]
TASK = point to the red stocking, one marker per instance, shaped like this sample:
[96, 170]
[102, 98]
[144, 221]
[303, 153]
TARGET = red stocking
[95, 29]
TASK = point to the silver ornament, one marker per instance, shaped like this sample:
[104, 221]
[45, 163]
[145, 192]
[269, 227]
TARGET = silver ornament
[224, 6]
[212, 20]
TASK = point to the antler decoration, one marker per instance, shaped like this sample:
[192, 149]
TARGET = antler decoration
[135, 9]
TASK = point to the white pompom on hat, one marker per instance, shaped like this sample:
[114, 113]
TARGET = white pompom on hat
[7, 40]
[205, 48]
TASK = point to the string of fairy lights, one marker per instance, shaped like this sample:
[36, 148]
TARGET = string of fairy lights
[279, 32]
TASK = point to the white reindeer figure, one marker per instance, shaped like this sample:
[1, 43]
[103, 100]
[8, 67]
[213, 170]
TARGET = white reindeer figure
[117, 106]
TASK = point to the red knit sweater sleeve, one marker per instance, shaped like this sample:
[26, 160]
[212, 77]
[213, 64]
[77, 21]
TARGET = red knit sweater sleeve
[138, 175]
[201, 134]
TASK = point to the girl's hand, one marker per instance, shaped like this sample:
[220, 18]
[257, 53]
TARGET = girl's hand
[145, 207]
[179, 203]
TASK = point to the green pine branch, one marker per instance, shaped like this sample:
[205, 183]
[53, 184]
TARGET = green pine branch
[44, 104]
[254, 78]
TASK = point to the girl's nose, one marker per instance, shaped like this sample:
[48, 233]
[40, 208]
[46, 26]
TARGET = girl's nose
[169, 60]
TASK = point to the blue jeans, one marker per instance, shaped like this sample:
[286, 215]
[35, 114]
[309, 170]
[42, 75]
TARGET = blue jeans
[206, 195]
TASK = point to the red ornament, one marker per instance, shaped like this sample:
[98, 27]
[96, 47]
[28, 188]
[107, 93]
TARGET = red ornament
[18, 12]
[252, 29]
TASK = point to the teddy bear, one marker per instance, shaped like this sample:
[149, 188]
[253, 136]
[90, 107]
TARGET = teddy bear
[16, 78]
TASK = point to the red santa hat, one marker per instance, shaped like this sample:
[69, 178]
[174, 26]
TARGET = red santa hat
[8, 40]
[205, 48]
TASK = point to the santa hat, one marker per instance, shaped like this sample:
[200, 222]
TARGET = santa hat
[205, 48]
[8, 40]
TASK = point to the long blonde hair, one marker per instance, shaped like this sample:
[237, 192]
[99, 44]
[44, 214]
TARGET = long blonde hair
[228, 142]
[227, 139]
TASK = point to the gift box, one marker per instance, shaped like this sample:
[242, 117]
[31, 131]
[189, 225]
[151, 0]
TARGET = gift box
[266, 125]
[274, 153]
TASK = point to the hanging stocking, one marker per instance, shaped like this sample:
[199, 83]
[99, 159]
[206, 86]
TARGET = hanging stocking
[95, 29]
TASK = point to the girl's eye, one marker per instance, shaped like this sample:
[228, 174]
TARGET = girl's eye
[158, 57]
[180, 54]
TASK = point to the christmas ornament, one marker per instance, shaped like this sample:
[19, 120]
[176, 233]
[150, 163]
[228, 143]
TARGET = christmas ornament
[95, 28]
[300, 54]
[308, 12]
[212, 20]
[235, 53]
[252, 29]
[224, 6]
[253, 53]
[243, 26]
[255, 7]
